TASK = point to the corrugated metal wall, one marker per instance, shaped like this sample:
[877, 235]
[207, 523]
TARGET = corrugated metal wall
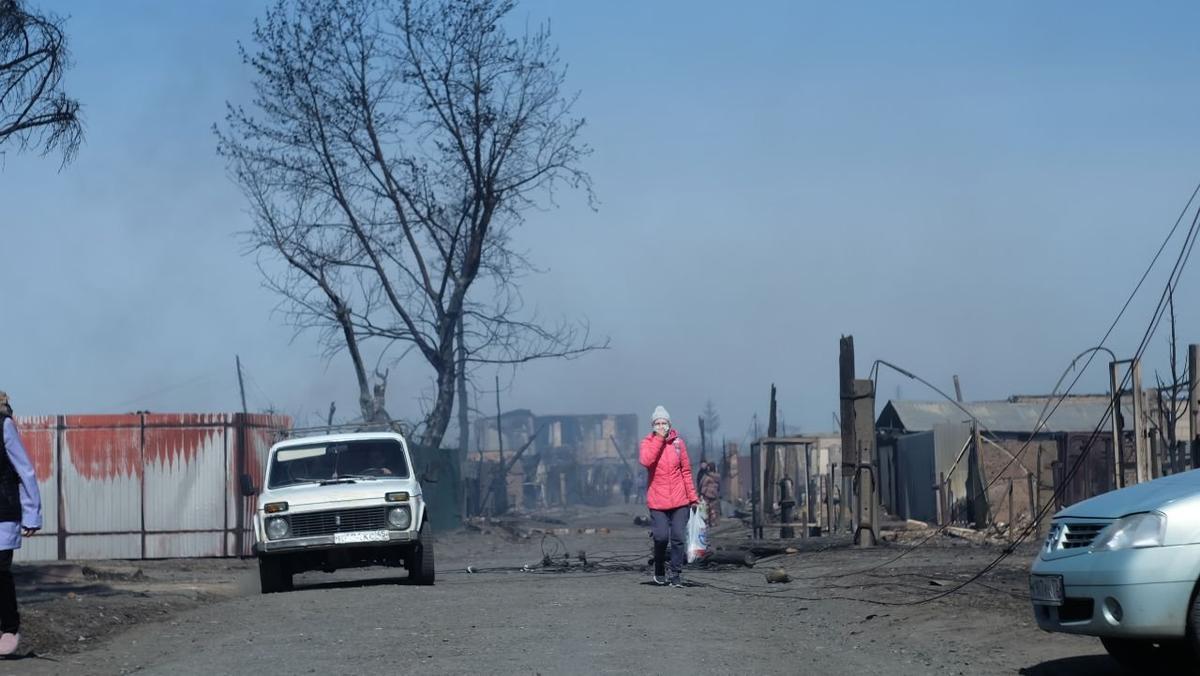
[145, 485]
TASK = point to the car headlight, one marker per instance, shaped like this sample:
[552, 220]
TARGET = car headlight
[399, 518]
[277, 528]
[1132, 532]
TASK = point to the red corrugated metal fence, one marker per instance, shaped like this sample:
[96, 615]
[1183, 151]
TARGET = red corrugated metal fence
[145, 485]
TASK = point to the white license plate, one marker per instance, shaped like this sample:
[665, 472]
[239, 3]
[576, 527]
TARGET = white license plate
[361, 536]
[1046, 590]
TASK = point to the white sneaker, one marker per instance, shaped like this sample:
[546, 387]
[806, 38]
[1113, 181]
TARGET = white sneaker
[660, 581]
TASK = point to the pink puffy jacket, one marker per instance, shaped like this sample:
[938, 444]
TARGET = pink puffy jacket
[669, 484]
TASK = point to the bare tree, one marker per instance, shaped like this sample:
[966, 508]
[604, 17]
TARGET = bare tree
[34, 112]
[1170, 395]
[390, 153]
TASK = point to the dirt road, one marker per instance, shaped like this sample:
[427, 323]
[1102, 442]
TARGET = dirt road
[206, 617]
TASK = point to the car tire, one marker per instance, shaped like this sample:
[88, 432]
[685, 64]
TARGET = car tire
[1136, 654]
[1190, 649]
[273, 574]
[420, 569]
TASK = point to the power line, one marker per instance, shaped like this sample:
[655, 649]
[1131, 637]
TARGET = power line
[1176, 271]
[1172, 279]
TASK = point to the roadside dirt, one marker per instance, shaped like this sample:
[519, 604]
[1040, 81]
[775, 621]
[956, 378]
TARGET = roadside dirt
[69, 607]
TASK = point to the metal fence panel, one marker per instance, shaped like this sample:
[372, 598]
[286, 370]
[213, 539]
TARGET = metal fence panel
[102, 474]
[185, 473]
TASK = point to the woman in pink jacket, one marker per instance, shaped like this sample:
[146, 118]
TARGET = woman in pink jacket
[670, 494]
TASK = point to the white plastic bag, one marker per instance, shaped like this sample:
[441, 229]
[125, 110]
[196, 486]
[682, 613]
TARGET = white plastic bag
[697, 533]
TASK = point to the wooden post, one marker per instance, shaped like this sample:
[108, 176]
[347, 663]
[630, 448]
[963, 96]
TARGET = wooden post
[771, 473]
[1194, 403]
[1011, 512]
[944, 497]
[938, 514]
[1037, 486]
[1033, 515]
[976, 491]
[810, 500]
[829, 501]
[1117, 426]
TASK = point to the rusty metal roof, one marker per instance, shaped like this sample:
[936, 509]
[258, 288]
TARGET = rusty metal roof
[1072, 415]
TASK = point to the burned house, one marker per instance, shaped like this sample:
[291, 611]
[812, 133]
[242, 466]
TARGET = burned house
[553, 460]
[931, 469]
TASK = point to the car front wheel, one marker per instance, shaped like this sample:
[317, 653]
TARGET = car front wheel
[1137, 654]
[420, 562]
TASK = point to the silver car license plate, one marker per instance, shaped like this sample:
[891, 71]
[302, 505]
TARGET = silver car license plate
[1046, 590]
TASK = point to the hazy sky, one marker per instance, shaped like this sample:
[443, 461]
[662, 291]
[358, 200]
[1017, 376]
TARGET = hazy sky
[965, 189]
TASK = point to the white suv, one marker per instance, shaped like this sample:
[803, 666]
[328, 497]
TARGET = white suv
[340, 501]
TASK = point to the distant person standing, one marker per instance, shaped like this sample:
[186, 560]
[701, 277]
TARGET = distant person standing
[20, 516]
[627, 486]
[669, 495]
[710, 490]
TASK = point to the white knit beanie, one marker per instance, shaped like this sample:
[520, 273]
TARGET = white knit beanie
[660, 413]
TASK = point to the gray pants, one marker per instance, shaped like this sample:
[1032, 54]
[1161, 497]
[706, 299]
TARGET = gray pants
[669, 527]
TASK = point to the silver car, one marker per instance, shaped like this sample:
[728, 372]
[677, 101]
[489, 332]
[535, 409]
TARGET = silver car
[1124, 566]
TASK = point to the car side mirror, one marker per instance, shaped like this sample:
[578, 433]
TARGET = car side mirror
[247, 485]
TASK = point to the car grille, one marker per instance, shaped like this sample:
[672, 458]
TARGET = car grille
[1080, 534]
[338, 521]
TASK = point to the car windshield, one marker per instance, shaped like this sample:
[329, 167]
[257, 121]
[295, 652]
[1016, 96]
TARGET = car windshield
[366, 460]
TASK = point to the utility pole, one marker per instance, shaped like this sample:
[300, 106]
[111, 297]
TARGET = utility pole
[1141, 451]
[240, 454]
[849, 446]
[858, 437]
[1140, 445]
[703, 440]
[1194, 402]
[868, 468]
[241, 383]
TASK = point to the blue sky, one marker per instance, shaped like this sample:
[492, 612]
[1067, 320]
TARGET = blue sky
[965, 189]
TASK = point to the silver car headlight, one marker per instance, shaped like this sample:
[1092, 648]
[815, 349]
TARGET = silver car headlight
[277, 528]
[399, 518]
[1135, 531]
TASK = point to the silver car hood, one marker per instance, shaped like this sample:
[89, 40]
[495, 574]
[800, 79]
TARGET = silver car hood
[1152, 495]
